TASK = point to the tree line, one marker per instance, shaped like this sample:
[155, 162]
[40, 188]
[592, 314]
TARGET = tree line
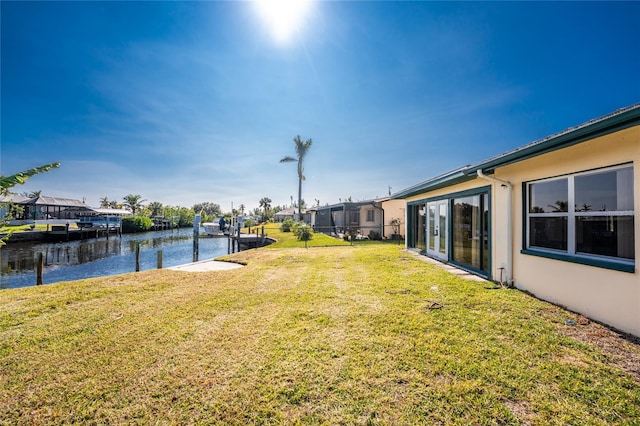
[184, 216]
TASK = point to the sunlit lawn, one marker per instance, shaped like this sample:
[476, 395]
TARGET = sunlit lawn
[332, 334]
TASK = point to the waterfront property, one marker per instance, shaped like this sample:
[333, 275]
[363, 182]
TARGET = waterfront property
[556, 217]
[48, 208]
[369, 219]
[56, 211]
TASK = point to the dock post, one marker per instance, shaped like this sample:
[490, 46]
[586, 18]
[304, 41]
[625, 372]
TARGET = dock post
[196, 236]
[137, 257]
[39, 268]
[159, 259]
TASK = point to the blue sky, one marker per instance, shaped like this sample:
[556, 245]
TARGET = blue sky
[186, 102]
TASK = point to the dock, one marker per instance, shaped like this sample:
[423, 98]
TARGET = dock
[61, 233]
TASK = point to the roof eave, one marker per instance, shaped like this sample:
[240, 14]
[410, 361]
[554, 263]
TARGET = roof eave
[431, 185]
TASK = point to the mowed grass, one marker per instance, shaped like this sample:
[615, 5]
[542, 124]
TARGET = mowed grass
[324, 335]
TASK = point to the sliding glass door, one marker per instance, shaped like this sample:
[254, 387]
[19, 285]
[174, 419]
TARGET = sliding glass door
[470, 239]
[437, 229]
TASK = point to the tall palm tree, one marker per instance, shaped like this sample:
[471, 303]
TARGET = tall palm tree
[133, 203]
[302, 148]
[104, 203]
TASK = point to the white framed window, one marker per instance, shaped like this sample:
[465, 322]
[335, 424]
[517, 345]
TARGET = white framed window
[586, 215]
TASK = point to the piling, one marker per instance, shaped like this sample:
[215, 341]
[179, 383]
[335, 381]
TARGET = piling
[39, 268]
[137, 257]
[159, 259]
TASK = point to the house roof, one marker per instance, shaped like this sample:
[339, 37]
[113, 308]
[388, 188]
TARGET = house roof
[617, 120]
[13, 198]
[289, 211]
[351, 204]
[55, 201]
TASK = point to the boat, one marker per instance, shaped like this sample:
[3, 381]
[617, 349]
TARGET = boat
[100, 222]
[213, 229]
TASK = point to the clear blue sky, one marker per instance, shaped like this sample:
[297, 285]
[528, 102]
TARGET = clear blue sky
[186, 102]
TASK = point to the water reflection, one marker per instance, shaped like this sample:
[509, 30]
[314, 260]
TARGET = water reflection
[98, 257]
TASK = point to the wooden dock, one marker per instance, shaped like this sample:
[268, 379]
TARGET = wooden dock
[61, 233]
[249, 240]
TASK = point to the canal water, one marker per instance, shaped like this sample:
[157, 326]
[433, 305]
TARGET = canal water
[77, 260]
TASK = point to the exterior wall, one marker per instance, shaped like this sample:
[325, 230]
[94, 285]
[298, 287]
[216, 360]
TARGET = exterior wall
[365, 226]
[475, 184]
[605, 295]
[394, 209]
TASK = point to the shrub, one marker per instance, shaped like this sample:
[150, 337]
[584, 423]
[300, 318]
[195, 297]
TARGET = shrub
[287, 224]
[136, 224]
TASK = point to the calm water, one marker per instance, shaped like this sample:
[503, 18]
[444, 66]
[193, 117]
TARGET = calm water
[99, 257]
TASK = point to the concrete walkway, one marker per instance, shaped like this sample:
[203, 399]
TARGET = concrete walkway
[449, 268]
[206, 265]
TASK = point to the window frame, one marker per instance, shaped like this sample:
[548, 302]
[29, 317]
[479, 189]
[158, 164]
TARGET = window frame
[571, 254]
[371, 215]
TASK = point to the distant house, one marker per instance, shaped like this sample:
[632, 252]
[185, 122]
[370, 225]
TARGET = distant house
[53, 209]
[372, 219]
[44, 208]
[291, 212]
[557, 217]
[7, 200]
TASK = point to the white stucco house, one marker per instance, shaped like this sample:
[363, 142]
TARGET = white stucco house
[557, 217]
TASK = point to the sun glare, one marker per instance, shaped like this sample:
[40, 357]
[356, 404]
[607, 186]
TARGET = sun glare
[283, 17]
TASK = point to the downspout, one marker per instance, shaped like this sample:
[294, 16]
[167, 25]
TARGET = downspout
[376, 206]
[505, 184]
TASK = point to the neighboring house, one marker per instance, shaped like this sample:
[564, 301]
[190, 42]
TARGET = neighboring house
[7, 200]
[45, 208]
[291, 212]
[53, 209]
[365, 219]
[557, 218]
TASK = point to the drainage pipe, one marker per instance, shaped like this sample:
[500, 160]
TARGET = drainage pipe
[379, 206]
[509, 187]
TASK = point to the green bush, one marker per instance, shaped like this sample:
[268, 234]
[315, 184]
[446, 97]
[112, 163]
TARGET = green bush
[132, 224]
[287, 224]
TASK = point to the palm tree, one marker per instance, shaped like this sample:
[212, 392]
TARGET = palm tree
[32, 194]
[156, 208]
[265, 203]
[302, 148]
[133, 203]
[104, 203]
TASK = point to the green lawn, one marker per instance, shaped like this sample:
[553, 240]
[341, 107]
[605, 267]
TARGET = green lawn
[332, 334]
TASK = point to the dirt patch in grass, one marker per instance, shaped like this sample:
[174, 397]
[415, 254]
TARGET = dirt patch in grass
[620, 350]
